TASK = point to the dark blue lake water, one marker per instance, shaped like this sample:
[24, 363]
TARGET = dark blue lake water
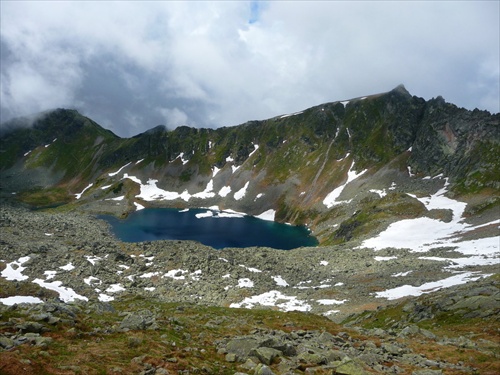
[211, 228]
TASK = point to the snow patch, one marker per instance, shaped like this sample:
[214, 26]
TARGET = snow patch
[14, 271]
[330, 301]
[223, 192]
[14, 300]
[79, 195]
[280, 281]
[241, 193]
[119, 170]
[267, 215]
[66, 294]
[331, 199]
[383, 259]
[271, 298]
[245, 283]
[409, 290]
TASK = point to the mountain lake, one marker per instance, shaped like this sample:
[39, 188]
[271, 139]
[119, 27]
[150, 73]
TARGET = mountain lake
[218, 229]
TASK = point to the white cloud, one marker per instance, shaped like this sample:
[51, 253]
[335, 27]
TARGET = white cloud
[174, 117]
[223, 63]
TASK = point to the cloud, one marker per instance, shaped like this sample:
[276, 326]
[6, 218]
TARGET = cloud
[133, 65]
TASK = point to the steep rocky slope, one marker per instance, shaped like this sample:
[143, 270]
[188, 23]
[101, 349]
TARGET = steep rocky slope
[314, 167]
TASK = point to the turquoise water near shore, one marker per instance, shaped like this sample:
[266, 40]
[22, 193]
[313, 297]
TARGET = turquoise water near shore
[152, 224]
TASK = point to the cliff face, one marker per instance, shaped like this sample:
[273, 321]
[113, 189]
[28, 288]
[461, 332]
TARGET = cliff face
[291, 164]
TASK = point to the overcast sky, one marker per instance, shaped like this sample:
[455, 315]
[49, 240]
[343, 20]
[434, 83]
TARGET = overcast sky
[133, 65]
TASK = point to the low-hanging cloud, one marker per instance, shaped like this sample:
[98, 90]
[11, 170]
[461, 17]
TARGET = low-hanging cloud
[133, 65]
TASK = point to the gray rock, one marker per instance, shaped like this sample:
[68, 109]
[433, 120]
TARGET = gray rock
[263, 370]
[138, 321]
[349, 367]
[33, 327]
[427, 372]
[266, 355]
[391, 349]
[242, 346]
[6, 342]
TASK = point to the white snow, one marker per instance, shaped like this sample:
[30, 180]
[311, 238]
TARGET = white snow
[91, 280]
[149, 275]
[245, 283]
[330, 312]
[383, 259]
[150, 289]
[68, 267]
[208, 192]
[330, 301]
[215, 170]
[138, 206]
[49, 234]
[79, 195]
[176, 274]
[181, 156]
[9, 301]
[256, 147]
[230, 213]
[93, 259]
[409, 171]
[229, 159]
[115, 288]
[292, 114]
[279, 281]
[409, 290]
[234, 168]
[223, 192]
[345, 102]
[267, 215]
[14, 271]
[133, 178]
[423, 234]
[119, 170]
[241, 193]
[105, 187]
[117, 198]
[138, 161]
[105, 298]
[251, 269]
[331, 199]
[323, 263]
[66, 294]
[50, 274]
[381, 193]
[401, 274]
[271, 298]
[151, 192]
[196, 275]
[204, 214]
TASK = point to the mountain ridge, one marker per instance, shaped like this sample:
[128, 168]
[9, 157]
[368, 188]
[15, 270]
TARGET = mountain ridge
[291, 162]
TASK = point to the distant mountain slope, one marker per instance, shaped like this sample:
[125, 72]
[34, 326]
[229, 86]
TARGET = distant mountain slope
[315, 167]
